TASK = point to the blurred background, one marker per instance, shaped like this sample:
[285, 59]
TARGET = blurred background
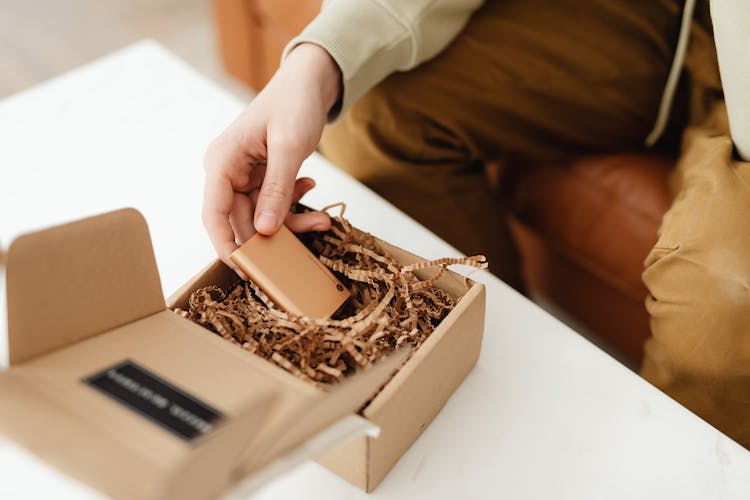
[40, 39]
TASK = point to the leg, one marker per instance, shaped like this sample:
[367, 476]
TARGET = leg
[527, 81]
[698, 276]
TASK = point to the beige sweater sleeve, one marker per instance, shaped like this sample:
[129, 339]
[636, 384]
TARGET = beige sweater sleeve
[731, 21]
[370, 39]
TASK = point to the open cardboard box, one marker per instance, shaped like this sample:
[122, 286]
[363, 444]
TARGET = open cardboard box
[114, 389]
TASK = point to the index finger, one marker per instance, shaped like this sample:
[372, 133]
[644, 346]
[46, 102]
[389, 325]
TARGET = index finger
[218, 196]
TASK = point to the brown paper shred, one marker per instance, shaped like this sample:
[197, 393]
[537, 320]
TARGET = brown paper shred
[389, 307]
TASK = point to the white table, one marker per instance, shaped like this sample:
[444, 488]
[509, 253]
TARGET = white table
[544, 415]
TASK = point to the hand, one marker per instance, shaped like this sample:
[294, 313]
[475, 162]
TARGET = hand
[252, 166]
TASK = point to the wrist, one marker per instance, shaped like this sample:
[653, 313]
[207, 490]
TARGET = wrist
[318, 64]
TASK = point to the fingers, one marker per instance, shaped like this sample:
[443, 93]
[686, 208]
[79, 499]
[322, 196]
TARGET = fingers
[218, 198]
[301, 187]
[302, 223]
[308, 221]
[276, 193]
[227, 170]
[241, 218]
[228, 214]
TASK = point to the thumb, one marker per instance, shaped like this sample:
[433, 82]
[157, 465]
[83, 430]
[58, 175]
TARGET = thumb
[275, 197]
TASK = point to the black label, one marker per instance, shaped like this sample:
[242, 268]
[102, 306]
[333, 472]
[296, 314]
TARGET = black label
[156, 399]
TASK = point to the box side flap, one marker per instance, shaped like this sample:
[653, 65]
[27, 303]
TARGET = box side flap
[209, 469]
[343, 432]
[303, 421]
[71, 282]
[350, 461]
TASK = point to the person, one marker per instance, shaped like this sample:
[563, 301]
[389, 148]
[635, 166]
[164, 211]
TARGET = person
[423, 95]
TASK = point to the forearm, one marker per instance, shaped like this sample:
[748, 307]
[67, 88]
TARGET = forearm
[370, 39]
[317, 63]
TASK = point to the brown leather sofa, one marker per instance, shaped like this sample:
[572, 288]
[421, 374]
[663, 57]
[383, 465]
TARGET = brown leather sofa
[583, 229]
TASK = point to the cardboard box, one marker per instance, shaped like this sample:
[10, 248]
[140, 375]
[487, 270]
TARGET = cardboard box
[114, 389]
[412, 398]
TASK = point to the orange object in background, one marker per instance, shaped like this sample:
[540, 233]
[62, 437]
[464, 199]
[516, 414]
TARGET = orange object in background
[252, 34]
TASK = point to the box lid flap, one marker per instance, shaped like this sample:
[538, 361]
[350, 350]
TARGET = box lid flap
[74, 281]
[292, 426]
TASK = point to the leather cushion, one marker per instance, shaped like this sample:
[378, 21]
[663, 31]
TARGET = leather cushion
[600, 212]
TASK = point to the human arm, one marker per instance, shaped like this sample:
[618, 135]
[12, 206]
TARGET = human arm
[352, 45]
[370, 39]
[251, 168]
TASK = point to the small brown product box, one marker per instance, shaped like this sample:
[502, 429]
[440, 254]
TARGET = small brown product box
[290, 274]
[111, 387]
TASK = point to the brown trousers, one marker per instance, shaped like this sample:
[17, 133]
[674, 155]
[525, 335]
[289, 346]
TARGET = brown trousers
[533, 81]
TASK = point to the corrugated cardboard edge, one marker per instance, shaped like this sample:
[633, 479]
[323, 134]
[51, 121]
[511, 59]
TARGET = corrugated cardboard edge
[343, 431]
[349, 461]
